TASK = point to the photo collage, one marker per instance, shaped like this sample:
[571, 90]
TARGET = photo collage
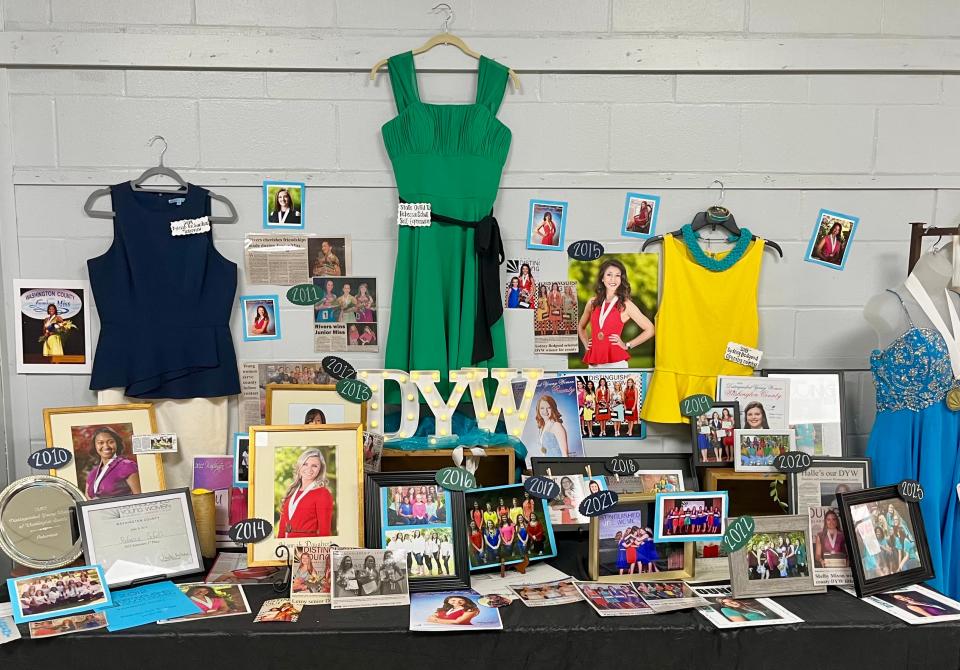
[417, 528]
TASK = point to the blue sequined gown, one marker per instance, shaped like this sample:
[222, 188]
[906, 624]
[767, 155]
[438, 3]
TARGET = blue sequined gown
[916, 436]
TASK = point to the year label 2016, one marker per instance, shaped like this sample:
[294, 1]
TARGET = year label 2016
[49, 458]
[338, 368]
[541, 487]
[250, 531]
[354, 390]
[910, 490]
[598, 503]
[456, 479]
[695, 405]
[792, 461]
[304, 294]
[621, 466]
[738, 533]
[585, 250]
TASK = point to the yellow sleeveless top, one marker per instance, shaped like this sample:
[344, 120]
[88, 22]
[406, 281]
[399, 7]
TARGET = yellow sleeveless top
[700, 312]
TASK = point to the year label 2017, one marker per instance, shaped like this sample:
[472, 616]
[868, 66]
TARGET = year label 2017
[598, 503]
[541, 487]
[456, 479]
[695, 405]
[338, 368]
[49, 458]
[910, 490]
[792, 461]
[738, 533]
[585, 250]
[621, 466]
[354, 390]
[250, 531]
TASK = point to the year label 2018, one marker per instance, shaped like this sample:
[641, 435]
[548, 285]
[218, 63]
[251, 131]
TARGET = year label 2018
[621, 466]
[49, 458]
[456, 479]
[598, 503]
[541, 487]
[354, 390]
[250, 531]
[738, 533]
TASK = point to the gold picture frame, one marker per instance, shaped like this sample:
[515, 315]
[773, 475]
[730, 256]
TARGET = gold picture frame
[346, 441]
[63, 425]
[286, 402]
[626, 502]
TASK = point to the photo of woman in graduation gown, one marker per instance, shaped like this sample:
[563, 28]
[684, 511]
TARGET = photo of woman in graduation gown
[306, 509]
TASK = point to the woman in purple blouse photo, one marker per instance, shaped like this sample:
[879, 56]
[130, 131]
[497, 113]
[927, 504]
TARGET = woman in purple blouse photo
[113, 475]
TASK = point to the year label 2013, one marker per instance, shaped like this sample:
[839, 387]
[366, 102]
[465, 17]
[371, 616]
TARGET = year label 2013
[541, 487]
[250, 531]
[354, 390]
[598, 503]
[456, 479]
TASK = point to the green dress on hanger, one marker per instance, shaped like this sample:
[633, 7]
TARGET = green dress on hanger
[442, 316]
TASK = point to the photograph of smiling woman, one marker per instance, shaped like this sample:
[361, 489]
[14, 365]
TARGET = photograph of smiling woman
[113, 474]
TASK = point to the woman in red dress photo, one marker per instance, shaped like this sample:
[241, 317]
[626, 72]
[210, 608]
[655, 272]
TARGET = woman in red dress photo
[547, 230]
[307, 507]
[527, 287]
[606, 313]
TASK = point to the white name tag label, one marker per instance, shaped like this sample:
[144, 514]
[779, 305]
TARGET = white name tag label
[416, 214]
[190, 226]
[155, 443]
[742, 354]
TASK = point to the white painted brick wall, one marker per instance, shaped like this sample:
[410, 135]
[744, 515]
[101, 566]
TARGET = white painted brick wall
[604, 133]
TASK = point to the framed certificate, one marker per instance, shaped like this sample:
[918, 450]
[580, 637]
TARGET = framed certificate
[141, 537]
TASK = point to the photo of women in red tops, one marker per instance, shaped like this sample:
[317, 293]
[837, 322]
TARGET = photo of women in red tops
[306, 505]
[605, 314]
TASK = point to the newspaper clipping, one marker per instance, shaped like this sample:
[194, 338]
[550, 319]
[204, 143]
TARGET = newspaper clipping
[725, 611]
[831, 563]
[255, 375]
[287, 259]
[346, 317]
[555, 318]
[368, 578]
[310, 583]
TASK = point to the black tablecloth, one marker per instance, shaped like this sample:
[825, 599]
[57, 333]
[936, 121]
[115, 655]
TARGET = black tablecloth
[839, 632]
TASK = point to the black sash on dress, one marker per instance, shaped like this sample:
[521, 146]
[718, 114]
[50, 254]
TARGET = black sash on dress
[488, 246]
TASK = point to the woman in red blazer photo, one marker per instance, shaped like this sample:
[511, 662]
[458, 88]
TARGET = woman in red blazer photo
[306, 509]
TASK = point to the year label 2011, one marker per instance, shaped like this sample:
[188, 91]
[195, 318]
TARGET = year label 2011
[910, 490]
[598, 503]
[304, 294]
[738, 533]
[695, 405]
[792, 461]
[49, 458]
[541, 487]
[338, 368]
[456, 479]
[354, 390]
[585, 250]
[250, 531]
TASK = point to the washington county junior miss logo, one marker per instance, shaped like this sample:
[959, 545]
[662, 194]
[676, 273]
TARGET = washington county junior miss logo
[35, 302]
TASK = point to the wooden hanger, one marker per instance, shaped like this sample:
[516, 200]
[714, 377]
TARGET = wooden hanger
[716, 216]
[444, 37]
[160, 170]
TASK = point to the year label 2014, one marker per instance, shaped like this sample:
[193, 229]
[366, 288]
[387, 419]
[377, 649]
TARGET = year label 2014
[250, 531]
[304, 294]
[585, 250]
[49, 458]
[621, 466]
[338, 368]
[738, 533]
[695, 405]
[541, 487]
[910, 490]
[456, 479]
[598, 503]
[792, 461]
[354, 390]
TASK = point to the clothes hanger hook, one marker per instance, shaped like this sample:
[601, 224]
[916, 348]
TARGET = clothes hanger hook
[723, 191]
[448, 15]
[151, 142]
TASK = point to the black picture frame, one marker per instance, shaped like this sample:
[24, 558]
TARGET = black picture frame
[373, 527]
[844, 444]
[578, 466]
[719, 406]
[851, 462]
[863, 585]
[89, 547]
